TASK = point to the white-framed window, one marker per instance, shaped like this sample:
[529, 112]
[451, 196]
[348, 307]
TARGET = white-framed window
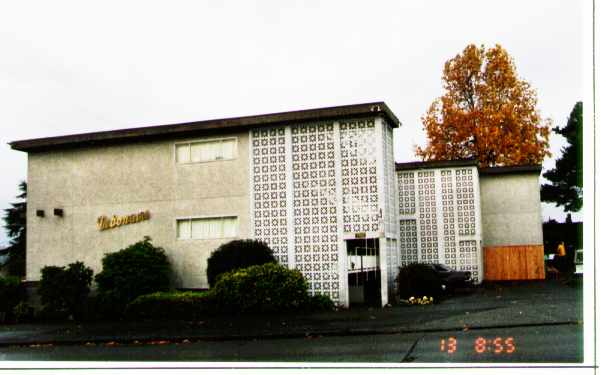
[207, 228]
[205, 151]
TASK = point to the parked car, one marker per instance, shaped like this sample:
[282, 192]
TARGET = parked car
[452, 279]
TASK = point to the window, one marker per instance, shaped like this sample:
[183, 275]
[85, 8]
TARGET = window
[207, 228]
[204, 151]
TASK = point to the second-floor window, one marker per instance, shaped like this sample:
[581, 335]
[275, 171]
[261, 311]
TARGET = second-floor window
[207, 228]
[205, 151]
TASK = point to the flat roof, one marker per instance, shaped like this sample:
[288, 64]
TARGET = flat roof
[514, 169]
[435, 164]
[206, 127]
[431, 164]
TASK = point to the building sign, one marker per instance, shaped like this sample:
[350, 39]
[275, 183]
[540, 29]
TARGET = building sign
[104, 222]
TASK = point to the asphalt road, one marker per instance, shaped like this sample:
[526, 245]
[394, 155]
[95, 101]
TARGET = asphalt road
[541, 344]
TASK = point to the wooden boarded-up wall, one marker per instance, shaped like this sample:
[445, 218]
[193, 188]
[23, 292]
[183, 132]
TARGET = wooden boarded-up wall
[523, 262]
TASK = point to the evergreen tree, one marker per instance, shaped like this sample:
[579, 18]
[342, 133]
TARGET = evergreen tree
[15, 225]
[566, 179]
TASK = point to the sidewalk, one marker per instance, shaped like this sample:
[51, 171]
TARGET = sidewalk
[526, 304]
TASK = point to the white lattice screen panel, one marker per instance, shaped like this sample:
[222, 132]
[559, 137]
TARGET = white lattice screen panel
[448, 213]
[465, 201]
[407, 242]
[270, 190]
[443, 227]
[468, 251]
[469, 258]
[390, 193]
[359, 176]
[406, 193]
[315, 211]
[428, 228]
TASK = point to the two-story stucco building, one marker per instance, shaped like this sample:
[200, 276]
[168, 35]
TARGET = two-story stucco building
[320, 186]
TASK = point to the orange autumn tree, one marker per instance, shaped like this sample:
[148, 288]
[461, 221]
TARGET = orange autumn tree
[486, 112]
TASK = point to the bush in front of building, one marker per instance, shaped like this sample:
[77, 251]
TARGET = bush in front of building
[174, 305]
[64, 291]
[263, 288]
[417, 280]
[319, 302]
[139, 269]
[235, 255]
[12, 293]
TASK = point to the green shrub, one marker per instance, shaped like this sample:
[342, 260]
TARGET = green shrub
[12, 293]
[170, 306]
[264, 288]
[65, 289]
[22, 312]
[139, 269]
[418, 280]
[319, 302]
[235, 255]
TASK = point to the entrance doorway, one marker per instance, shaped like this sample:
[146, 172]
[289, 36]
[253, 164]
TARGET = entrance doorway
[364, 276]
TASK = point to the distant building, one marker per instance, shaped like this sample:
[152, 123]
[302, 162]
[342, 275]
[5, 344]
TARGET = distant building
[320, 186]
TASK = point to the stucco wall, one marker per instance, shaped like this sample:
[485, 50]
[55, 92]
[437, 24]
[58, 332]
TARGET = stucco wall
[125, 179]
[510, 209]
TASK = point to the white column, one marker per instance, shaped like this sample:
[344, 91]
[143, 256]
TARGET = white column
[342, 251]
[381, 204]
[478, 231]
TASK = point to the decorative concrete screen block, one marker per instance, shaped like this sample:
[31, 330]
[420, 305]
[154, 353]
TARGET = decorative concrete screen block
[269, 186]
[448, 212]
[439, 218]
[359, 176]
[406, 193]
[428, 228]
[315, 207]
[465, 199]
[469, 256]
[390, 207]
[408, 242]
[391, 204]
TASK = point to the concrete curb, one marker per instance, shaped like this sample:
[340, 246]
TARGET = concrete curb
[150, 340]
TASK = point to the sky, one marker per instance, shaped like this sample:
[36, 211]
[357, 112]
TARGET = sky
[71, 67]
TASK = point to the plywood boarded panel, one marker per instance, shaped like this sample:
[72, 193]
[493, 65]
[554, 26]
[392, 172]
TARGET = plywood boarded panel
[525, 262]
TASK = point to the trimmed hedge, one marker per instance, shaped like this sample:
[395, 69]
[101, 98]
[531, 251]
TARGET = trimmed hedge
[267, 288]
[170, 305]
[64, 290]
[319, 302]
[12, 293]
[235, 255]
[139, 269]
[418, 280]
[264, 288]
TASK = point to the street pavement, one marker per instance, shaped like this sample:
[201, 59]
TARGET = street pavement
[541, 317]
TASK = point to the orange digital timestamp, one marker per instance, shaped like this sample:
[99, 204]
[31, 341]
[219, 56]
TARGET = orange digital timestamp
[448, 346]
[497, 345]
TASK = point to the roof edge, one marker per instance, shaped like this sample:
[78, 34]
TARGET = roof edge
[487, 171]
[430, 164]
[513, 169]
[215, 125]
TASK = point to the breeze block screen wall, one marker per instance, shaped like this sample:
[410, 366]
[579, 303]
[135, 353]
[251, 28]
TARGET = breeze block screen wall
[440, 215]
[317, 185]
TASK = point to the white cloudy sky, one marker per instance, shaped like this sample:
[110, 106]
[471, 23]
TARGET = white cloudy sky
[70, 67]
